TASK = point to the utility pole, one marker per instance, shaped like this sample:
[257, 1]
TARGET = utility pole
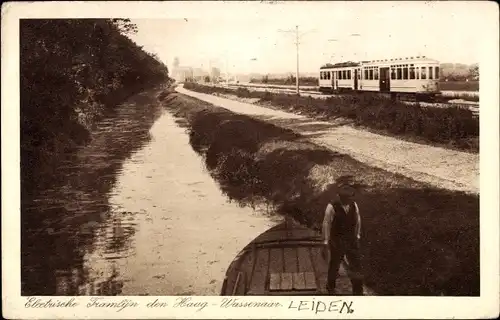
[297, 44]
[227, 73]
[297, 36]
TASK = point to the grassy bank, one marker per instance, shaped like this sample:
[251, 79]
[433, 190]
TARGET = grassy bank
[303, 81]
[455, 127]
[467, 96]
[417, 240]
[459, 85]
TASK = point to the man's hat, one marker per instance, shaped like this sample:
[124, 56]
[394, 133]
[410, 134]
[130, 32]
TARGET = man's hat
[345, 186]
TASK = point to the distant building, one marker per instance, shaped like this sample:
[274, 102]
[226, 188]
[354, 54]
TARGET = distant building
[180, 73]
[199, 74]
[215, 75]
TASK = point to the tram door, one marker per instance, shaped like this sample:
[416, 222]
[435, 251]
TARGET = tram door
[384, 80]
[334, 80]
[356, 79]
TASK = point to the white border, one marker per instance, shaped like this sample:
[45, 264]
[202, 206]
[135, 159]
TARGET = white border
[487, 305]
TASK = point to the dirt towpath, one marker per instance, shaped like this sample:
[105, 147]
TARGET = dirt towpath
[439, 167]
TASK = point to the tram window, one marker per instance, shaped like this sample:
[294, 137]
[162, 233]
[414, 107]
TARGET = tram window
[424, 76]
[370, 73]
[321, 75]
[405, 73]
[438, 76]
[412, 73]
[376, 74]
[359, 74]
[393, 74]
[349, 74]
[399, 74]
[366, 74]
[430, 72]
[417, 71]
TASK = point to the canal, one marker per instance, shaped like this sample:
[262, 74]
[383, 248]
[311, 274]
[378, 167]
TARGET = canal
[134, 212]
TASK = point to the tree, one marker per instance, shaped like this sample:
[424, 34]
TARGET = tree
[125, 26]
[474, 72]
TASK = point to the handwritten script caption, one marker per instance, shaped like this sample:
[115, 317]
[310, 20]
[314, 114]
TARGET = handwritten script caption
[313, 305]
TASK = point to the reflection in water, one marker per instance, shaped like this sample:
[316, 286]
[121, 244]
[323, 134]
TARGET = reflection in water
[133, 213]
[61, 221]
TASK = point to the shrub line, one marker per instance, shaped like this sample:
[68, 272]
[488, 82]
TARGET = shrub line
[454, 126]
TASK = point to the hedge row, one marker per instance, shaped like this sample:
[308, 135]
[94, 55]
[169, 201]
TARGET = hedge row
[454, 126]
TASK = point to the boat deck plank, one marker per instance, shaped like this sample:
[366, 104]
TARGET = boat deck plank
[282, 261]
[260, 272]
[290, 259]
[299, 281]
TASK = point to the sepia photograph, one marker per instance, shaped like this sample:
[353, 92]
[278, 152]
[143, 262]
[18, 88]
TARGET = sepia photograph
[321, 153]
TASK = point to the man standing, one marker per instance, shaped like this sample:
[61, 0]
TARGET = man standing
[341, 235]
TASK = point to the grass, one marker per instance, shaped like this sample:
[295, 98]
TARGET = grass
[303, 81]
[417, 240]
[455, 126]
[467, 96]
[459, 85]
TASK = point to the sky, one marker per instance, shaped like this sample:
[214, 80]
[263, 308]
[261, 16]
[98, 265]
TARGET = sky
[246, 39]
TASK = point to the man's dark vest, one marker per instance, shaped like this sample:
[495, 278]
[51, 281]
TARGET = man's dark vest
[344, 223]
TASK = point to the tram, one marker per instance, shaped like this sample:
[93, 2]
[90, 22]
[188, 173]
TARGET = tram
[417, 76]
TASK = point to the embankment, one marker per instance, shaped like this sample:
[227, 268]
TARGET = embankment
[417, 240]
[453, 127]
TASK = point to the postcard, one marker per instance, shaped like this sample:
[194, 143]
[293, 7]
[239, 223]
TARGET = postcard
[267, 160]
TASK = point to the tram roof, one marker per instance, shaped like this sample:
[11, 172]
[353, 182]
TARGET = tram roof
[379, 61]
[340, 65]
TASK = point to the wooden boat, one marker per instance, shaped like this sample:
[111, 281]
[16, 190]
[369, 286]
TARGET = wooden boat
[285, 260]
